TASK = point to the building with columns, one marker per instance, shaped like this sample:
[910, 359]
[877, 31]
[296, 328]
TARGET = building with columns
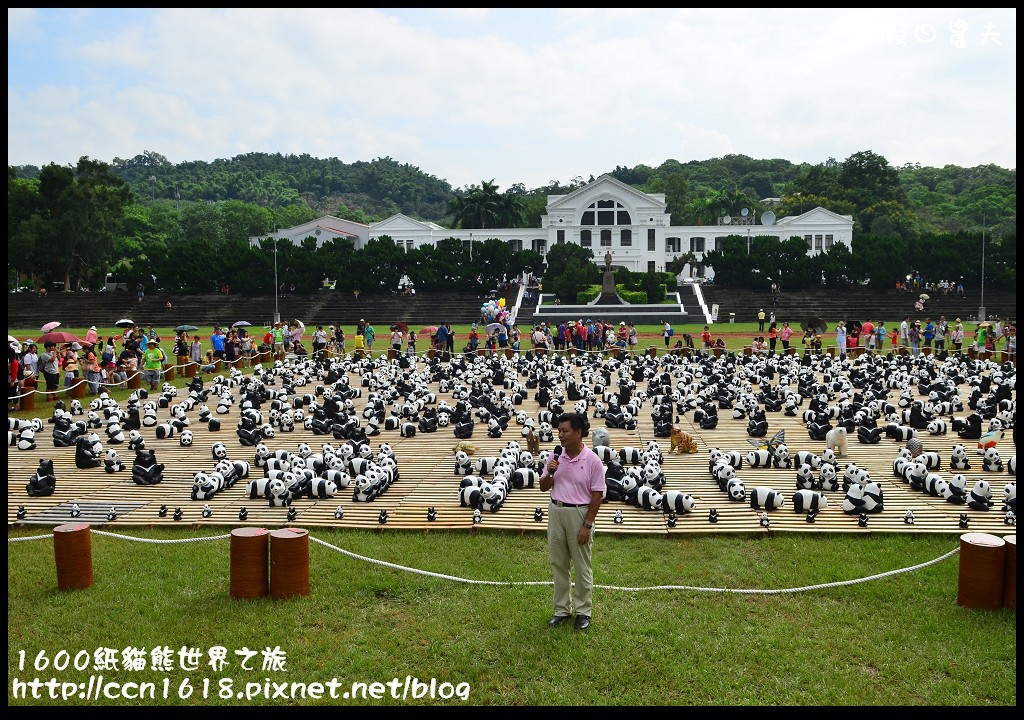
[605, 216]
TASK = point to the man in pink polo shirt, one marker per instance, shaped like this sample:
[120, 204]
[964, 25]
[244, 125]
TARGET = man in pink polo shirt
[575, 477]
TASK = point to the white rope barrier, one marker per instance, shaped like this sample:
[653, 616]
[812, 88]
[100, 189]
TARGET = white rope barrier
[524, 583]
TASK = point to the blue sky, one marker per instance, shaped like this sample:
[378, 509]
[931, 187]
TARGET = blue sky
[513, 96]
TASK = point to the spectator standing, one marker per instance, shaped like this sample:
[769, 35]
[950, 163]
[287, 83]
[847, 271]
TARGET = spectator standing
[154, 362]
[515, 336]
[92, 336]
[30, 360]
[91, 363]
[278, 338]
[760, 320]
[49, 361]
[705, 340]
[929, 332]
[196, 351]
[370, 334]
[667, 333]
[339, 339]
[905, 332]
[634, 338]
[773, 336]
[14, 372]
[451, 338]
[217, 341]
[319, 341]
[230, 348]
[914, 337]
[939, 337]
[396, 339]
[841, 338]
[442, 337]
[785, 335]
[70, 363]
[474, 339]
[957, 336]
[410, 346]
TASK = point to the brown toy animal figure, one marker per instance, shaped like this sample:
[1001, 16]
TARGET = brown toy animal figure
[682, 442]
[533, 442]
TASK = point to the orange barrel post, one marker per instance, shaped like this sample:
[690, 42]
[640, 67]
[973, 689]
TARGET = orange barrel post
[289, 563]
[431, 353]
[392, 354]
[28, 399]
[168, 372]
[77, 389]
[189, 368]
[982, 560]
[250, 569]
[135, 380]
[652, 351]
[72, 549]
[1010, 573]
[509, 353]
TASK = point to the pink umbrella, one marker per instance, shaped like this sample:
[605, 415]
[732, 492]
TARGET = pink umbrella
[50, 326]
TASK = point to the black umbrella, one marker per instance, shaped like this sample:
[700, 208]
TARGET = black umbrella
[125, 323]
[816, 324]
[852, 325]
[185, 328]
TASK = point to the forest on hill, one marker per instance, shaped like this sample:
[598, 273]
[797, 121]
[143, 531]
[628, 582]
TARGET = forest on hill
[189, 223]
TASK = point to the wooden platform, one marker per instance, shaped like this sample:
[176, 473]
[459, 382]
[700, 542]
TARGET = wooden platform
[427, 480]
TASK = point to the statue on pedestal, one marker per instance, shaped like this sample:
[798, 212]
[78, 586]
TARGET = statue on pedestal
[608, 261]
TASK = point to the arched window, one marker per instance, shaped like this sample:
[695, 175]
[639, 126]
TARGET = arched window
[584, 238]
[606, 212]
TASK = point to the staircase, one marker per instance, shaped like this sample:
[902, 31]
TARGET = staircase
[857, 303]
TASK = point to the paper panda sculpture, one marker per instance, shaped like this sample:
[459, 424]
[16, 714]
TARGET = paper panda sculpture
[806, 499]
[959, 459]
[992, 462]
[678, 502]
[828, 478]
[980, 497]
[85, 458]
[43, 482]
[145, 469]
[112, 462]
[185, 439]
[27, 439]
[1010, 497]
[766, 498]
[805, 478]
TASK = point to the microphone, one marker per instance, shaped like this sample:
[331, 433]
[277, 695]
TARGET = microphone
[558, 452]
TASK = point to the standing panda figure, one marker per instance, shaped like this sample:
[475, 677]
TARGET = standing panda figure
[766, 498]
[805, 500]
[678, 502]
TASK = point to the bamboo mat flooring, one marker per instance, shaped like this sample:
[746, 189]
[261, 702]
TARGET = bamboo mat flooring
[427, 480]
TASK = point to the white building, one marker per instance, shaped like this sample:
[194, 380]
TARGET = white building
[606, 216]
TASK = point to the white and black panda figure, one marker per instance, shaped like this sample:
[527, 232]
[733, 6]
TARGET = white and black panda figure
[873, 502]
[206, 485]
[805, 478]
[759, 459]
[828, 478]
[278, 494]
[954, 490]
[1010, 496]
[736, 490]
[525, 478]
[937, 427]
[1011, 466]
[321, 488]
[805, 500]
[980, 497]
[647, 498]
[766, 498]
[185, 438]
[678, 501]
[135, 441]
[931, 460]
[27, 439]
[781, 458]
[112, 462]
[991, 461]
[257, 487]
[959, 458]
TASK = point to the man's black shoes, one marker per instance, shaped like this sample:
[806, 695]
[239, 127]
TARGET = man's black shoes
[582, 622]
[558, 620]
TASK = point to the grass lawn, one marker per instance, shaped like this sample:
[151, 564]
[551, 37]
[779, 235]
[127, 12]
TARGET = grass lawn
[900, 640]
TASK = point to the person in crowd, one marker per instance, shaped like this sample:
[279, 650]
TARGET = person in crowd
[196, 350]
[905, 332]
[758, 346]
[70, 364]
[474, 338]
[93, 371]
[153, 364]
[410, 344]
[939, 337]
[319, 341]
[914, 337]
[666, 332]
[929, 332]
[369, 333]
[396, 339]
[515, 337]
[878, 337]
[705, 340]
[230, 348]
[30, 360]
[634, 338]
[451, 338]
[773, 337]
[91, 336]
[575, 478]
[785, 335]
[217, 340]
[278, 338]
[14, 373]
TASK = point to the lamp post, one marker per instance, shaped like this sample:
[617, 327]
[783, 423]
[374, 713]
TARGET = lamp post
[981, 309]
[471, 247]
[277, 314]
[748, 241]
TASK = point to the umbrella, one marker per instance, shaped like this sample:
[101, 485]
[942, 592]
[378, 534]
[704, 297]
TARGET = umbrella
[428, 330]
[13, 342]
[816, 324]
[50, 326]
[58, 336]
[986, 323]
[125, 323]
[242, 323]
[493, 327]
[925, 296]
[852, 325]
[185, 328]
[404, 327]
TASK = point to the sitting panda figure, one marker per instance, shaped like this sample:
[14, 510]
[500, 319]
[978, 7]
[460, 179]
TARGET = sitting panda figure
[27, 439]
[872, 497]
[828, 478]
[853, 503]
[955, 490]
[959, 460]
[206, 485]
[781, 458]
[43, 482]
[1010, 497]
[112, 462]
[278, 494]
[805, 478]
[980, 497]
[463, 465]
[992, 462]
[492, 497]
[1011, 466]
